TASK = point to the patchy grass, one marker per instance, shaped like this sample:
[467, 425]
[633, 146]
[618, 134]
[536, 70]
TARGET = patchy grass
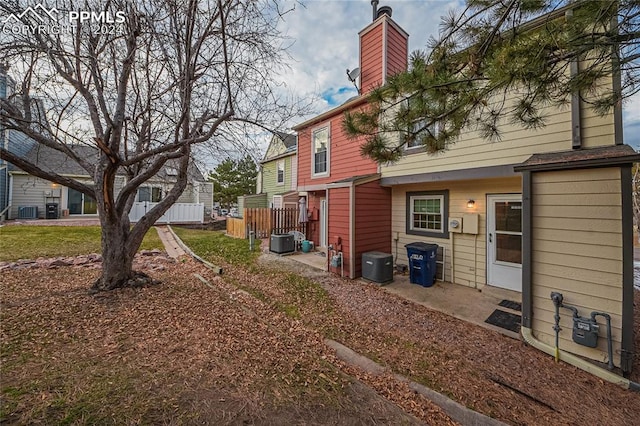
[217, 247]
[31, 242]
[289, 293]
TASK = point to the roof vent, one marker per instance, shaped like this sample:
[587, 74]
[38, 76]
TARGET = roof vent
[384, 10]
[374, 4]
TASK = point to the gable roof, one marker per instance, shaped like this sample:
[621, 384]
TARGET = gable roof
[289, 140]
[284, 144]
[350, 103]
[51, 160]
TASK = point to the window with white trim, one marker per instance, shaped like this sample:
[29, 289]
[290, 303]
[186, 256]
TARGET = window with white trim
[149, 193]
[427, 213]
[320, 151]
[413, 139]
[280, 172]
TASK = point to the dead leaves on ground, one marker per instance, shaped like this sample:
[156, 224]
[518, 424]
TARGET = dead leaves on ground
[250, 346]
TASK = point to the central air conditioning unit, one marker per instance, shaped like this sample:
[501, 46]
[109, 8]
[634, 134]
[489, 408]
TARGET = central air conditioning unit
[282, 243]
[377, 267]
[28, 212]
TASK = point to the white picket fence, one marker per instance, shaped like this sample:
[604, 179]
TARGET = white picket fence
[177, 213]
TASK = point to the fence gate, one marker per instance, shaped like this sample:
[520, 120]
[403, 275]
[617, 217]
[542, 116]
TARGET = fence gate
[265, 221]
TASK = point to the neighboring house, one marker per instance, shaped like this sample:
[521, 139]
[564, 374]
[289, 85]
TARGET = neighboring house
[277, 178]
[15, 142]
[25, 196]
[29, 195]
[4, 172]
[348, 208]
[197, 192]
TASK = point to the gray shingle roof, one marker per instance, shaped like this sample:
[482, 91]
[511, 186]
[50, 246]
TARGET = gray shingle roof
[290, 141]
[51, 160]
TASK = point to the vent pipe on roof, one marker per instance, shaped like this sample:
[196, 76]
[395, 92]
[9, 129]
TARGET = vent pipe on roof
[374, 4]
[384, 10]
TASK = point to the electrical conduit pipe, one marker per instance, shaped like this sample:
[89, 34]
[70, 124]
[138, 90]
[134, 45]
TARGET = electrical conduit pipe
[527, 335]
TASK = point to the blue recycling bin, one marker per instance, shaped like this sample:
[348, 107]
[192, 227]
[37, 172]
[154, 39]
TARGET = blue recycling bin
[422, 263]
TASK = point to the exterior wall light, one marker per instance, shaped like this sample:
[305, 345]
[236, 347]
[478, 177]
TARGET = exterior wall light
[471, 204]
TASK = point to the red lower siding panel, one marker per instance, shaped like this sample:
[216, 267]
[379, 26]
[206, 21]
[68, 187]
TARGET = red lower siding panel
[373, 221]
[339, 224]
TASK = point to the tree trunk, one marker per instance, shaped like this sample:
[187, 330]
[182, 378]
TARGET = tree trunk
[117, 264]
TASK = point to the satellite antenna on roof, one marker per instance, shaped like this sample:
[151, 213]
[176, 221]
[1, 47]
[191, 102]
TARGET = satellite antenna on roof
[353, 75]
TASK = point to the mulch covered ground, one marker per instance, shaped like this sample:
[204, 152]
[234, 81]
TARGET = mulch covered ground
[248, 349]
[482, 369]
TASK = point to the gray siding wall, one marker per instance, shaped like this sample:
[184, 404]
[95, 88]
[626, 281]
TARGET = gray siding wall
[206, 195]
[19, 143]
[32, 191]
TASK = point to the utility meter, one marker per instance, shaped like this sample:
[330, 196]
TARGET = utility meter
[585, 331]
[455, 224]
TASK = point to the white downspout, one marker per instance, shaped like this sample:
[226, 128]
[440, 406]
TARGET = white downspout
[453, 257]
[569, 358]
[352, 231]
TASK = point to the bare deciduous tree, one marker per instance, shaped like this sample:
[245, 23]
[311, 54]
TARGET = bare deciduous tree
[143, 82]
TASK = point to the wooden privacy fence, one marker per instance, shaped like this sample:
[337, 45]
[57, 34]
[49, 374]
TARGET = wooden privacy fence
[264, 222]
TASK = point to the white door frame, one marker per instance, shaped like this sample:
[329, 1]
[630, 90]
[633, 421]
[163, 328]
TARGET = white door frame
[323, 222]
[500, 273]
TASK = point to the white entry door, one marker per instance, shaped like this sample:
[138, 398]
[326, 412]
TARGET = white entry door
[323, 222]
[504, 241]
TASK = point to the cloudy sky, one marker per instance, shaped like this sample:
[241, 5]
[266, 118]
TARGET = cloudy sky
[324, 37]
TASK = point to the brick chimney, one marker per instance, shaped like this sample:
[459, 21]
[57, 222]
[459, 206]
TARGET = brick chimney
[383, 49]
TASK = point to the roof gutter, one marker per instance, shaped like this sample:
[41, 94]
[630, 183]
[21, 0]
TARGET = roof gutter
[345, 106]
[279, 156]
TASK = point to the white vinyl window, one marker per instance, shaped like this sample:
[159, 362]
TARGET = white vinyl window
[320, 151]
[413, 136]
[427, 213]
[280, 172]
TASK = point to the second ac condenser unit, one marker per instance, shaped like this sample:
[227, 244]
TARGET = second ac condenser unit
[282, 243]
[28, 212]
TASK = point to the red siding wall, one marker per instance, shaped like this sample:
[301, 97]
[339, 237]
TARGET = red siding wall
[339, 223]
[374, 53]
[371, 58]
[373, 203]
[344, 155]
[373, 221]
[397, 51]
